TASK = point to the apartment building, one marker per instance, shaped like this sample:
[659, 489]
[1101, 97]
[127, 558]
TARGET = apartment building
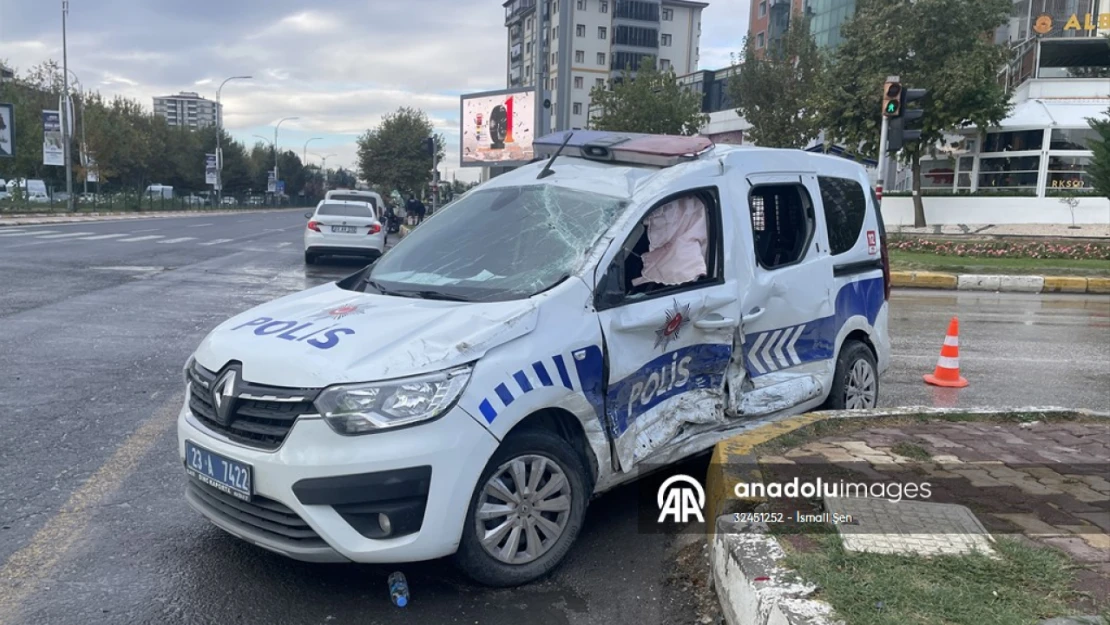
[770, 19]
[586, 43]
[187, 109]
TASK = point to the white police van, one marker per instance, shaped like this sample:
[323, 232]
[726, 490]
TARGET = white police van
[626, 304]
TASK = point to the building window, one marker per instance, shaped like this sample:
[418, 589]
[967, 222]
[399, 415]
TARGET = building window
[581, 5]
[602, 32]
[580, 30]
[578, 82]
[599, 83]
[665, 40]
[554, 60]
[1069, 172]
[1004, 172]
[637, 10]
[637, 36]
[664, 64]
[601, 58]
[1073, 139]
[577, 108]
[603, 7]
[579, 56]
[668, 15]
[528, 47]
[762, 8]
[759, 40]
[528, 24]
[528, 73]
[1014, 141]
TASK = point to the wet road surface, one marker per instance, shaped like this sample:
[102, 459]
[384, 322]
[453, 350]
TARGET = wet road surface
[97, 323]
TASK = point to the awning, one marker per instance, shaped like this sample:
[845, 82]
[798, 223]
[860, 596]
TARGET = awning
[1055, 113]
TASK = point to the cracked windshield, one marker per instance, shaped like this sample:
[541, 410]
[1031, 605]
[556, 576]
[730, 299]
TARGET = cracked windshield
[555, 312]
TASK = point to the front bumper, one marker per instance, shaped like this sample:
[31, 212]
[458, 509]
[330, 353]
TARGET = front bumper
[316, 498]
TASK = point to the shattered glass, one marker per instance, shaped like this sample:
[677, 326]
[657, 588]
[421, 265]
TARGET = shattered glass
[500, 244]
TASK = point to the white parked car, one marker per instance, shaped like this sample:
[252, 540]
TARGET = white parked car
[353, 195]
[342, 228]
[543, 339]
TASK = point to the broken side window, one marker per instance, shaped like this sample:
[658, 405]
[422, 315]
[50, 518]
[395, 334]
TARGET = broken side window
[782, 222]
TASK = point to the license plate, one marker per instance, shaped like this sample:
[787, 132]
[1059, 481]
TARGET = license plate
[223, 474]
[344, 229]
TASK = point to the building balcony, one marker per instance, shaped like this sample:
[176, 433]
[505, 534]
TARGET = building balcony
[514, 9]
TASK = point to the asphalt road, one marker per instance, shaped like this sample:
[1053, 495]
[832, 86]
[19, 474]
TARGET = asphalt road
[97, 319]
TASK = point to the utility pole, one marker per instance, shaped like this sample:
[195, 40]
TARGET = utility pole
[275, 150]
[304, 152]
[219, 132]
[435, 175]
[83, 152]
[65, 110]
[891, 90]
[541, 68]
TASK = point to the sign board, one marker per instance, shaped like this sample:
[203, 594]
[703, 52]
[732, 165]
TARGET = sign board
[271, 184]
[92, 174]
[7, 130]
[281, 186]
[498, 128]
[210, 169]
[53, 152]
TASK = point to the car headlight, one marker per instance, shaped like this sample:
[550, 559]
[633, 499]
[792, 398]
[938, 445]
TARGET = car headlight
[375, 406]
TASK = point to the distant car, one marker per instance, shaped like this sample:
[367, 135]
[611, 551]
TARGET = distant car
[338, 228]
[255, 200]
[229, 201]
[352, 195]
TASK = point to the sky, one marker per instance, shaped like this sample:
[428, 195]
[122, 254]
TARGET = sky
[338, 66]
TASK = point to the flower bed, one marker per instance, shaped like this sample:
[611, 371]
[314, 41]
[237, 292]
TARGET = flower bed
[1002, 249]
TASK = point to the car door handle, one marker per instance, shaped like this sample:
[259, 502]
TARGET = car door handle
[715, 323]
[754, 314]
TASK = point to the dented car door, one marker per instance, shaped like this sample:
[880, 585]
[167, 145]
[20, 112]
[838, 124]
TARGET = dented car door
[669, 313]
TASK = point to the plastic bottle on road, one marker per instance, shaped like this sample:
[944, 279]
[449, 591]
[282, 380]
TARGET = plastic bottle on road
[398, 589]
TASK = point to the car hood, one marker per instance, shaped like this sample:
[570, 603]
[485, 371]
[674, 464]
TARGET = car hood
[327, 335]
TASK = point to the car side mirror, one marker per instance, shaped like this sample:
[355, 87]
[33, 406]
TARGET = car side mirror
[308, 215]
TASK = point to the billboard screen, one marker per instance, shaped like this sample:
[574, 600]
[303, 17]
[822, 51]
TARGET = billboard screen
[497, 128]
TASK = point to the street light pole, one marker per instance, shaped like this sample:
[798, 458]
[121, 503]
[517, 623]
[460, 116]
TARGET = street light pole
[219, 131]
[284, 119]
[304, 152]
[81, 118]
[65, 110]
[324, 166]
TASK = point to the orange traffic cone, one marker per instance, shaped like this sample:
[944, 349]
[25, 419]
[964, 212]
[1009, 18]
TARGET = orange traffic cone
[947, 372]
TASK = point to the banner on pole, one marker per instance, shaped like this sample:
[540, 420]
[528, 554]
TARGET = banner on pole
[53, 152]
[210, 169]
[271, 183]
[7, 130]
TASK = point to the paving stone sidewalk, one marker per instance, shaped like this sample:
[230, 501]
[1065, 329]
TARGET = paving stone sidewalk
[1049, 482]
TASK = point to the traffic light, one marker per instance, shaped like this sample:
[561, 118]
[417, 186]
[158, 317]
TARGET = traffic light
[892, 105]
[899, 133]
[430, 146]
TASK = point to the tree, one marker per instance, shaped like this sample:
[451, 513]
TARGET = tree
[650, 101]
[944, 46]
[1100, 165]
[392, 155]
[775, 92]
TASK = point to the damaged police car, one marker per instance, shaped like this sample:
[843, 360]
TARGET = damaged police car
[631, 301]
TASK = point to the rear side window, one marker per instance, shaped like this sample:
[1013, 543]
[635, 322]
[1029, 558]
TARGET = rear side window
[345, 210]
[782, 221]
[356, 198]
[845, 208]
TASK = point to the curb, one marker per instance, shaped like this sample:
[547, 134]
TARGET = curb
[745, 567]
[752, 587]
[999, 283]
[46, 218]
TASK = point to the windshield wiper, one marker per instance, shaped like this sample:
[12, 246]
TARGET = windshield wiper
[432, 295]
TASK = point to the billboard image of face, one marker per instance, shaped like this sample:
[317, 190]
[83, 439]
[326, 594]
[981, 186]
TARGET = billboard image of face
[497, 128]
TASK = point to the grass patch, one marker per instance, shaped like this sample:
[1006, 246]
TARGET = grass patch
[924, 261]
[909, 450]
[1027, 583]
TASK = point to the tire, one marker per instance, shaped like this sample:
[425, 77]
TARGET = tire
[482, 566]
[855, 357]
[309, 259]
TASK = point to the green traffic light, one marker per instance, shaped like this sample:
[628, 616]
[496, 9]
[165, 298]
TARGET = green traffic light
[891, 107]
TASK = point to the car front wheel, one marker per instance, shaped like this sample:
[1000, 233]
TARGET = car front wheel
[526, 511]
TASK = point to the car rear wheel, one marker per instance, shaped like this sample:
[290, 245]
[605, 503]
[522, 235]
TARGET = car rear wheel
[856, 380]
[526, 511]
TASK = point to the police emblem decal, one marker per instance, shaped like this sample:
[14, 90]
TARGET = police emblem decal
[677, 318]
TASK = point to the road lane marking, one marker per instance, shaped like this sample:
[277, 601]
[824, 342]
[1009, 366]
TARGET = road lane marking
[200, 225]
[149, 237]
[285, 244]
[30, 233]
[103, 236]
[145, 230]
[63, 235]
[23, 572]
[215, 242]
[178, 240]
[16, 234]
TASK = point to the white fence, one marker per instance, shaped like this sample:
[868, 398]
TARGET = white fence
[939, 210]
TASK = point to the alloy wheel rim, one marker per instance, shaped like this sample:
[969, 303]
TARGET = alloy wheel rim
[523, 509]
[860, 391]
